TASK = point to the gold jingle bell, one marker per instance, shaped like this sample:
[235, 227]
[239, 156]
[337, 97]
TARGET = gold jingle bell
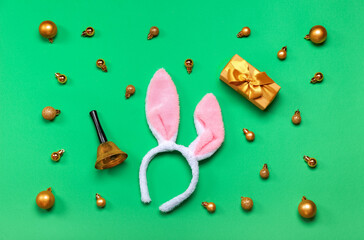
[100, 63]
[108, 154]
[61, 78]
[89, 32]
[311, 162]
[189, 65]
[317, 78]
[57, 155]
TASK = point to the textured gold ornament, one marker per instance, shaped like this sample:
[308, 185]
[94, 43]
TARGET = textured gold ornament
[307, 208]
[129, 91]
[49, 113]
[246, 203]
[153, 32]
[296, 118]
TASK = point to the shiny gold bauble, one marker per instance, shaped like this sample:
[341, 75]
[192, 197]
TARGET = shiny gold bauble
[48, 29]
[264, 172]
[210, 206]
[318, 34]
[57, 155]
[307, 208]
[189, 65]
[317, 78]
[245, 32]
[246, 203]
[311, 162]
[282, 54]
[49, 113]
[249, 135]
[45, 199]
[61, 78]
[100, 63]
[89, 32]
[296, 118]
[153, 32]
[129, 91]
[100, 201]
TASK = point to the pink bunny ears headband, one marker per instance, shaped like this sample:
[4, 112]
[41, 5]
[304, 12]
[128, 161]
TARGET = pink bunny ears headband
[162, 110]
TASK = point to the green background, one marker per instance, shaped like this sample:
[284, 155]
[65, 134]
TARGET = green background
[331, 128]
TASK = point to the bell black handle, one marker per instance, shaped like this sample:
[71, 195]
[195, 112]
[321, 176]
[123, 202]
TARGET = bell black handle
[100, 132]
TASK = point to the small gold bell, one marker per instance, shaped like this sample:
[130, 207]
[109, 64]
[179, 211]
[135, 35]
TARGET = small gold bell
[100, 63]
[311, 162]
[317, 78]
[210, 206]
[189, 65]
[245, 32]
[100, 201]
[89, 32]
[61, 78]
[57, 155]
[249, 135]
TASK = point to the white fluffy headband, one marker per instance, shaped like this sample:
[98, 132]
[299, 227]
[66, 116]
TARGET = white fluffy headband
[162, 110]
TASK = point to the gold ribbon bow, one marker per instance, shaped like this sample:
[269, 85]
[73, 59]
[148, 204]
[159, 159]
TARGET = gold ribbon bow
[254, 85]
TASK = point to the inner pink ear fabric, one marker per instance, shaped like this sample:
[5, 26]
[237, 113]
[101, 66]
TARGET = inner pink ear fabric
[209, 125]
[162, 107]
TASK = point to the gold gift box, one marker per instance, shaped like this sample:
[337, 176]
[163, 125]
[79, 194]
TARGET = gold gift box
[249, 82]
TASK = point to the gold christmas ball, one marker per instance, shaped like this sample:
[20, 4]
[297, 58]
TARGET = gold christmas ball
[282, 54]
[317, 78]
[130, 90]
[264, 173]
[48, 29]
[210, 206]
[296, 118]
[246, 203]
[45, 199]
[100, 201]
[307, 208]
[245, 32]
[49, 113]
[249, 135]
[317, 35]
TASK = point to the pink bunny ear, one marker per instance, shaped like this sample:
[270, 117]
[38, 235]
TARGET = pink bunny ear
[162, 107]
[209, 126]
